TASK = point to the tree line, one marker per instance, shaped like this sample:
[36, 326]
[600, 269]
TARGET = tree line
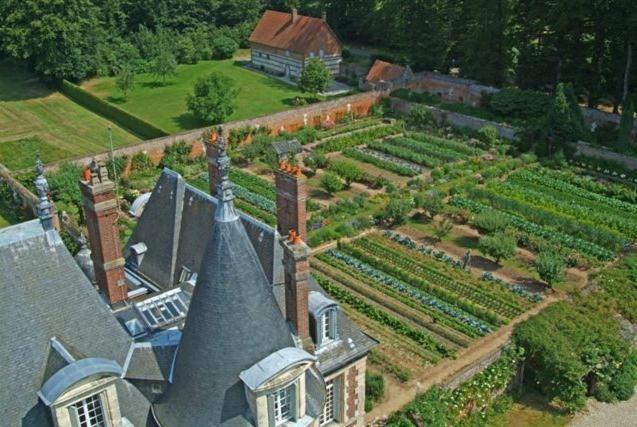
[534, 44]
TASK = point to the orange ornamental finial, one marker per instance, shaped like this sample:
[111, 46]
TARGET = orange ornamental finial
[86, 174]
[297, 240]
[292, 235]
[281, 164]
[297, 172]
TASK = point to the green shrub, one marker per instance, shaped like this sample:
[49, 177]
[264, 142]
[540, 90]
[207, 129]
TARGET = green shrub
[316, 161]
[374, 389]
[550, 267]
[346, 170]
[124, 119]
[141, 161]
[488, 135]
[223, 47]
[498, 246]
[490, 222]
[331, 183]
[520, 103]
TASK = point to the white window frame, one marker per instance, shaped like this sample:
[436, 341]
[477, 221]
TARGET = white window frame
[283, 405]
[326, 326]
[83, 405]
[329, 411]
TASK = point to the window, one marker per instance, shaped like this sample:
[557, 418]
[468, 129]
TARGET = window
[185, 275]
[328, 410]
[282, 405]
[321, 53]
[326, 326]
[89, 412]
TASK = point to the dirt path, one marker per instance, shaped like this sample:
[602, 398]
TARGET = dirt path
[621, 414]
[400, 395]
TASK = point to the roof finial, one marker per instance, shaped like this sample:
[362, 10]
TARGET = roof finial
[45, 207]
[225, 211]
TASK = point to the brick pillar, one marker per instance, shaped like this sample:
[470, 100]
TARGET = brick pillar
[212, 152]
[100, 211]
[297, 274]
[291, 195]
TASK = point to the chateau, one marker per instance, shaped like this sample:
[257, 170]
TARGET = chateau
[208, 317]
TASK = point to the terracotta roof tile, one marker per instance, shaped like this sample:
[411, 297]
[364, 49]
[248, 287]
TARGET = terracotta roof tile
[307, 34]
[384, 71]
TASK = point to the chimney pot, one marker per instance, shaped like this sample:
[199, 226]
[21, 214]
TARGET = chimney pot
[324, 16]
[295, 14]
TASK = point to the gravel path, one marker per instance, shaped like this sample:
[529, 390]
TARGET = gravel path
[622, 414]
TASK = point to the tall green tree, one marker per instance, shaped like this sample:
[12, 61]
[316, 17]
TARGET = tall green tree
[58, 36]
[213, 98]
[164, 65]
[627, 122]
[125, 81]
[486, 47]
[316, 77]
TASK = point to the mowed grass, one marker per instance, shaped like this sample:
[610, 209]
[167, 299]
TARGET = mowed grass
[164, 105]
[36, 118]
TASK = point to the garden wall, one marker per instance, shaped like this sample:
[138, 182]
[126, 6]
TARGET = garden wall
[455, 119]
[289, 121]
[23, 198]
[587, 149]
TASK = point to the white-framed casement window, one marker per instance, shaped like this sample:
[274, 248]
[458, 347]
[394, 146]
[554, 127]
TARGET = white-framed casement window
[326, 326]
[89, 412]
[283, 405]
[328, 410]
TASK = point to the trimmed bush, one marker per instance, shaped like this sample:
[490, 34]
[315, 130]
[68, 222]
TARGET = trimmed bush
[123, 118]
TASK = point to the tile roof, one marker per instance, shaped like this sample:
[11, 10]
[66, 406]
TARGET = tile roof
[307, 34]
[384, 71]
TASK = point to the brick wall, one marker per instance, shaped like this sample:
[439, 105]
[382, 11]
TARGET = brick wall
[289, 121]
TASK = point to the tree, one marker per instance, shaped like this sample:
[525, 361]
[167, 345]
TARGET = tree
[491, 221]
[212, 100]
[431, 202]
[164, 65]
[395, 211]
[442, 228]
[316, 77]
[550, 267]
[223, 47]
[58, 37]
[627, 123]
[331, 183]
[498, 246]
[565, 122]
[125, 81]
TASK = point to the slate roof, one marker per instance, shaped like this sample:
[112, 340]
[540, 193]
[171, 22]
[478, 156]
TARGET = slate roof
[233, 322]
[44, 294]
[307, 34]
[283, 148]
[352, 343]
[384, 71]
[185, 215]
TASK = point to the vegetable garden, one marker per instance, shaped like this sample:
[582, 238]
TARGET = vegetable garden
[431, 301]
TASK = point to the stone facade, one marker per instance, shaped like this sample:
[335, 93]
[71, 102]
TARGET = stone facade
[351, 397]
[101, 213]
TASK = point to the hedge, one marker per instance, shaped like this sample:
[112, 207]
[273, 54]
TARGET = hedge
[124, 119]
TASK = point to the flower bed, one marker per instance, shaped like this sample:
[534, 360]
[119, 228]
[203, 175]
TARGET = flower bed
[355, 125]
[253, 183]
[358, 138]
[388, 147]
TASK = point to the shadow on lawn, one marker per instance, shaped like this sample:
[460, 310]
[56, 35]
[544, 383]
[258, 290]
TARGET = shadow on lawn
[156, 83]
[17, 83]
[188, 121]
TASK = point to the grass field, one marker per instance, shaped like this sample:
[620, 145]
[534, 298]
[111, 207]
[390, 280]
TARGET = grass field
[165, 105]
[36, 118]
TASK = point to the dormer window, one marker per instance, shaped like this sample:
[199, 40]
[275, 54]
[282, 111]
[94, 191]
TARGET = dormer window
[323, 318]
[88, 412]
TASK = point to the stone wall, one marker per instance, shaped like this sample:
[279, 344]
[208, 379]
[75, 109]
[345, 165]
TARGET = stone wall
[473, 369]
[455, 119]
[24, 199]
[289, 121]
[587, 149]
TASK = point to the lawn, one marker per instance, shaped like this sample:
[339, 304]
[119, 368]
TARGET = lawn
[164, 105]
[35, 118]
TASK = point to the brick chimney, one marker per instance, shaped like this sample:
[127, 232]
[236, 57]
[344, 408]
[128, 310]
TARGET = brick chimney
[297, 274]
[212, 153]
[291, 194]
[295, 15]
[101, 212]
[324, 16]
